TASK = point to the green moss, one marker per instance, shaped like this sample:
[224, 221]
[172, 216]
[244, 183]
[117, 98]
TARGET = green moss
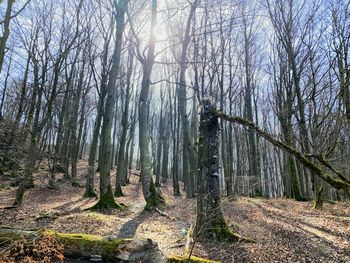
[75, 183]
[84, 243]
[193, 259]
[154, 200]
[105, 205]
[90, 194]
[96, 216]
[107, 202]
[339, 184]
[118, 191]
[222, 233]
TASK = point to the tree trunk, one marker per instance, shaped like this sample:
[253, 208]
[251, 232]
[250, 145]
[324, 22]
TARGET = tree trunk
[174, 129]
[188, 149]
[6, 31]
[89, 191]
[114, 157]
[21, 101]
[107, 200]
[74, 147]
[153, 199]
[31, 158]
[210, 220]
[33, 99]
[83, 140]
[132, 137]
[165, 159]
[5, 87]
[229, 160]
[121, 165]
[254, 167]
[159, 144]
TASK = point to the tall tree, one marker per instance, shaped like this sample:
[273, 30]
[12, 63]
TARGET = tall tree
[125, 120]
[152, 197]
[189, 163]
[107, 35]
[106, 200]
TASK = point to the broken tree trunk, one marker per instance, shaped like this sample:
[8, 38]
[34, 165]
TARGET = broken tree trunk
[210, 219]
[89, 246]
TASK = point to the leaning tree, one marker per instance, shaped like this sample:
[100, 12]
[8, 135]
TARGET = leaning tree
[210, 220]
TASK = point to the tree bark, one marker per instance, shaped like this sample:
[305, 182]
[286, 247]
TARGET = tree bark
[189, 165]
[159, 143]
[121, 165]
[210, 220]
[6, 31]
[74, 147]
[152, 197]
[107, 200]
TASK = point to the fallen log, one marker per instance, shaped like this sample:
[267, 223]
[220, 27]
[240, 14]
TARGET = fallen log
[86, 246]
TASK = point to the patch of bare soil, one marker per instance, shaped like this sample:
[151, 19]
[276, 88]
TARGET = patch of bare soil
[284, 230]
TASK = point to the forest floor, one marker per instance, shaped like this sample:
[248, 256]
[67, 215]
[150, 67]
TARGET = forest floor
[284, 230]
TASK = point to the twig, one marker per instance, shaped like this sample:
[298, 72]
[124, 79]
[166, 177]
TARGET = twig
[162, 213]
[178, 245]
[189, 242]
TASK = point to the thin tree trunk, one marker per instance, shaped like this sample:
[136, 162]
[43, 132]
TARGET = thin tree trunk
[189, 165]
[89, 191]
[159, 144]
[6, 31]
[74, 148]
[174, 126]
[5, 88]
[121, 165]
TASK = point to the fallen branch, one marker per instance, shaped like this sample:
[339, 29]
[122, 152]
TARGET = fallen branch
[189, 242]
[162, 213]
[178, 245]
[302, 158]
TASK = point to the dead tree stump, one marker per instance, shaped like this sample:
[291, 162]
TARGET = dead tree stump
[210, 220]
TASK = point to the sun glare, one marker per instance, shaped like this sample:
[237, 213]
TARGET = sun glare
[160, 32]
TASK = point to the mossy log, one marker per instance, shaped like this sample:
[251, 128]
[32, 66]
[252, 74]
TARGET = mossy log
[192, 259]
[88, 246]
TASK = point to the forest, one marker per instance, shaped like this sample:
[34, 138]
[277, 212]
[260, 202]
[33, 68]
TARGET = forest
[174, 131]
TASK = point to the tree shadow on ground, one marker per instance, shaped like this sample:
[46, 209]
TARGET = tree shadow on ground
[72, 205]
[321, 232]
[128, 229]
[210, 249]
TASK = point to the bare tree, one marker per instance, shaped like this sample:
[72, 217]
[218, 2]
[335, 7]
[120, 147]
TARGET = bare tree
[106, 200]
